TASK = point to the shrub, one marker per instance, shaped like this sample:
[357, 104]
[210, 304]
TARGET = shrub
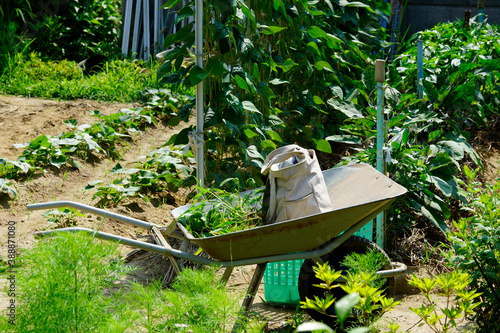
[476, 248]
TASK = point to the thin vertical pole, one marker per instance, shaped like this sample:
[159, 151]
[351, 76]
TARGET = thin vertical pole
[146, 35]
[137, 28]
[480, 5]
[127, 20]
[380, 78]
[467, 19]
[156, 26]
[199, 140]
[420, 68]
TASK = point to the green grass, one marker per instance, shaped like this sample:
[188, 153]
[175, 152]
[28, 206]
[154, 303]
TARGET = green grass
[66, 283]
[60, 286]
[119, 80]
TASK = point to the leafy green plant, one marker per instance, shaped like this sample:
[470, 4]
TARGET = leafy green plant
[372, 303]
[165, 169]
[452, 285]
[369, 262]
[342, 309]
[61, 285]
[217, 212]
[274, 76]
[475, 247]
[7, 187]
[99, 138]
[63, 217]
[73, 29]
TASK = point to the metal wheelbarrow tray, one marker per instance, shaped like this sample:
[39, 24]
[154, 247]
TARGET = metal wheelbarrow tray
[357, 192]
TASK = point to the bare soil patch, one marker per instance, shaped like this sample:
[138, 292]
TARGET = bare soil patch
[23, 119]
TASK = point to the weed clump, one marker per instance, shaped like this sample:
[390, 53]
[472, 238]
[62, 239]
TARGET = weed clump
[61, 285]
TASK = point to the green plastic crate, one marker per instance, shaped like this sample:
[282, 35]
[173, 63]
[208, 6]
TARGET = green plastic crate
[280, 282]
[281, 278]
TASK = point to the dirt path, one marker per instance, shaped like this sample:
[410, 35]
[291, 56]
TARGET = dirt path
[23, 119]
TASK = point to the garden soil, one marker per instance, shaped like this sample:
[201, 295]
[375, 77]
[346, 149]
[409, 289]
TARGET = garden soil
[23, 119]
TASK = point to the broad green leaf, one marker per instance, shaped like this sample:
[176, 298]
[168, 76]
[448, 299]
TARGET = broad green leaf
[91, 185]
[323, 65]
[277, 82]
[434, 217]
[316, 32]
[347, 3]
[7, 188]
[249, 133]
[246, 48]
[349, 139]
[247, 11]
[71, 122]
[271, 30]
[313, 327]
[274, 136]
[252, 152]
[58, 160]
[338, 92]
[232, 127]
[331, 38]
[324, 146]
[221, 31]
[91, 144]
[241, 82]
[249, 106]
[215, 67]
[67, 142]
[288, 65]
[268, 144]
[312, 47]
[318, 100]
[443, 186]
[196, 75]
[25, 167]
[346, 108]
[344, 305]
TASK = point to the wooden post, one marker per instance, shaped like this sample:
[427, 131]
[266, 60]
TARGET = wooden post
[466, 19]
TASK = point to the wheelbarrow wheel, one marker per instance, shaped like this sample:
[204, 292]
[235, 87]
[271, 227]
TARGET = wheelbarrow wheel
[307, 279]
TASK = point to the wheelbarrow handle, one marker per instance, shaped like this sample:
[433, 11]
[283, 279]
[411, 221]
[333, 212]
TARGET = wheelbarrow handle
[92, 210]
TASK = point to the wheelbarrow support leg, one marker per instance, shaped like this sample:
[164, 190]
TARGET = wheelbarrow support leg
[249, 297]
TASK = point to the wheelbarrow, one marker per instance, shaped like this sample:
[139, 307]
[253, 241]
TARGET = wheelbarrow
[358, 193]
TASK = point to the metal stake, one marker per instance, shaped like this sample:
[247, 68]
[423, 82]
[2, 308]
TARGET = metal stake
[480, 5]
[420, 68]
[200, 162]
[380, 78]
